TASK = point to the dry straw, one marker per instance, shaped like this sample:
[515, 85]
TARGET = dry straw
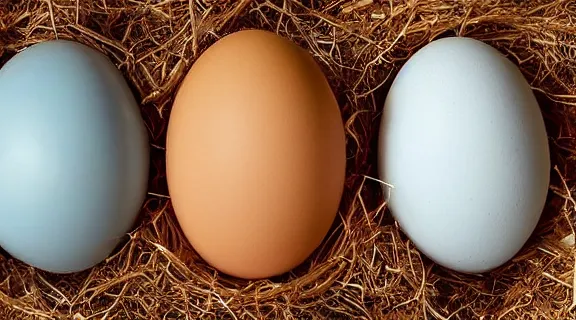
[367, 269]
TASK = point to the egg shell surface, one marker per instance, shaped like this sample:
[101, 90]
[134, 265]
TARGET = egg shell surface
[463, 143]
[74, 156]
[255, 155]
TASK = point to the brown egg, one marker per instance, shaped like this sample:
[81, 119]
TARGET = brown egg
[255, 155]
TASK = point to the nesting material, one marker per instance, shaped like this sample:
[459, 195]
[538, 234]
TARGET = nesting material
[366, 269]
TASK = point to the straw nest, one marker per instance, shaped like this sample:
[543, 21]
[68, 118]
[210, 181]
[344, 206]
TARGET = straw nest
[367, 269]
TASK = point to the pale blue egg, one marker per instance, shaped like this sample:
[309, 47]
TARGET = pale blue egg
[464, 146]
[74, 156]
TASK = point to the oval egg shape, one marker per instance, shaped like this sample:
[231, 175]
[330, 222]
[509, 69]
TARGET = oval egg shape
[464, 146]
[255, 155]
[74, 157]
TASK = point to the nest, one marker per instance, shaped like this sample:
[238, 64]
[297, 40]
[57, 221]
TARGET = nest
[367, 269]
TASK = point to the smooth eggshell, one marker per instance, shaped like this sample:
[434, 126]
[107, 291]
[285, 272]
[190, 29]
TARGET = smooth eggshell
[255, 155]
[463, 143]
[73, 156]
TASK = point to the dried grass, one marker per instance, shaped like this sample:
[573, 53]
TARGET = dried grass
[367, 269]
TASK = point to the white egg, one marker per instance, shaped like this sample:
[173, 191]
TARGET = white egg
[463, 143]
